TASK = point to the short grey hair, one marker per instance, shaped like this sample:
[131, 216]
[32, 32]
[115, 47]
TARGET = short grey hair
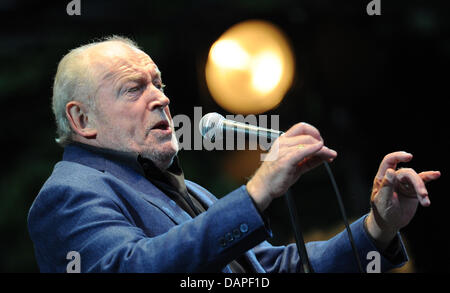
[74, 82]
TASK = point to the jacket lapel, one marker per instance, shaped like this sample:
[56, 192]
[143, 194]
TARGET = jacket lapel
[131, 177]
[201, 194]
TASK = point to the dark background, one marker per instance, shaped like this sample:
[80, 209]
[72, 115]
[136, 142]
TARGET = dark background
[370, 84]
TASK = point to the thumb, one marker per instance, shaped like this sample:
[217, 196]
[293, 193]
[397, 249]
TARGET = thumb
[387, 185]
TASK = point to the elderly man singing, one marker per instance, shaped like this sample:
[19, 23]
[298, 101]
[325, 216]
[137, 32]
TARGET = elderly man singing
[118, 197]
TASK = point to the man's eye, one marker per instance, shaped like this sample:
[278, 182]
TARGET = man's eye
[134, 89]
[160, 86]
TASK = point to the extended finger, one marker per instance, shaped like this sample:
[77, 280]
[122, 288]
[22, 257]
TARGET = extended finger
[299, 153]
[297, 140]
[309, 163]
[303, 128]
[325, 154]
[428, 176]
[384, 189]
[411, 181]
[391, 160]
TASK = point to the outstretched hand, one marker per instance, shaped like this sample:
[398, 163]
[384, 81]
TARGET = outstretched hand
[395, 197]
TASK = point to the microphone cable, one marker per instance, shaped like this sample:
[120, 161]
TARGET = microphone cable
[306, 265]
[344, 217]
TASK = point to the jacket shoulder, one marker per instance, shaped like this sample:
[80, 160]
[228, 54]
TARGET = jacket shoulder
[70, 175]
[68, 181]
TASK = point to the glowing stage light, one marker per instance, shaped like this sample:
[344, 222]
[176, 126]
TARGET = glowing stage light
[250, 68]
[266, 71]
[229, 54]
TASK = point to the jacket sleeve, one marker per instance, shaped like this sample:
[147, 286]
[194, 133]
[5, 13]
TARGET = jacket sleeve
[332, 256]
[76, 219]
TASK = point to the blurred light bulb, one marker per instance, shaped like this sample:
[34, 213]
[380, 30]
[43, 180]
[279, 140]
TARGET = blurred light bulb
[250, 68]
[229, 54]
[266, 72]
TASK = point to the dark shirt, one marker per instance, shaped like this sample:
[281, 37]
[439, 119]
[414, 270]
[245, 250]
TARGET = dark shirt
[170, 181]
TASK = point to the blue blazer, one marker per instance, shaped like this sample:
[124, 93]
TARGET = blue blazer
[118, 221]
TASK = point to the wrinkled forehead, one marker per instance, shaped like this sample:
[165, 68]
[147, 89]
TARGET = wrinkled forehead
[113, 60]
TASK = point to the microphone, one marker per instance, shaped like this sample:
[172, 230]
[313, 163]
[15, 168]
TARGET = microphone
[212, 124]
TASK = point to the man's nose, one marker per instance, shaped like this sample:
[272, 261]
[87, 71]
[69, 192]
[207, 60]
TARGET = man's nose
[159, 101]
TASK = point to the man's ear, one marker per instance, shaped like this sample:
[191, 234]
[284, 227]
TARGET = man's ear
[79, 120]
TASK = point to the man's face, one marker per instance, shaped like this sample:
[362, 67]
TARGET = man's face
[131, 110]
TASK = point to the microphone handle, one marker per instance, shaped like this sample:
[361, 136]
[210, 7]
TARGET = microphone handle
[239, 127]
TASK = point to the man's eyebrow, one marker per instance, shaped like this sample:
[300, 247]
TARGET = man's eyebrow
[140, 76]
[137, 77]
[158, 74]
[134, 77]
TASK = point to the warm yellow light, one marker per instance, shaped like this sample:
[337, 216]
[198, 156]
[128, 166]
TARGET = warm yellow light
[266, 71]
[250, 68]
[229, 54]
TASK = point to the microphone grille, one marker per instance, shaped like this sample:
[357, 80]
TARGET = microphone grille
[209, 124]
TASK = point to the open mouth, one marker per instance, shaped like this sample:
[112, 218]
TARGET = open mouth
[163, 125]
